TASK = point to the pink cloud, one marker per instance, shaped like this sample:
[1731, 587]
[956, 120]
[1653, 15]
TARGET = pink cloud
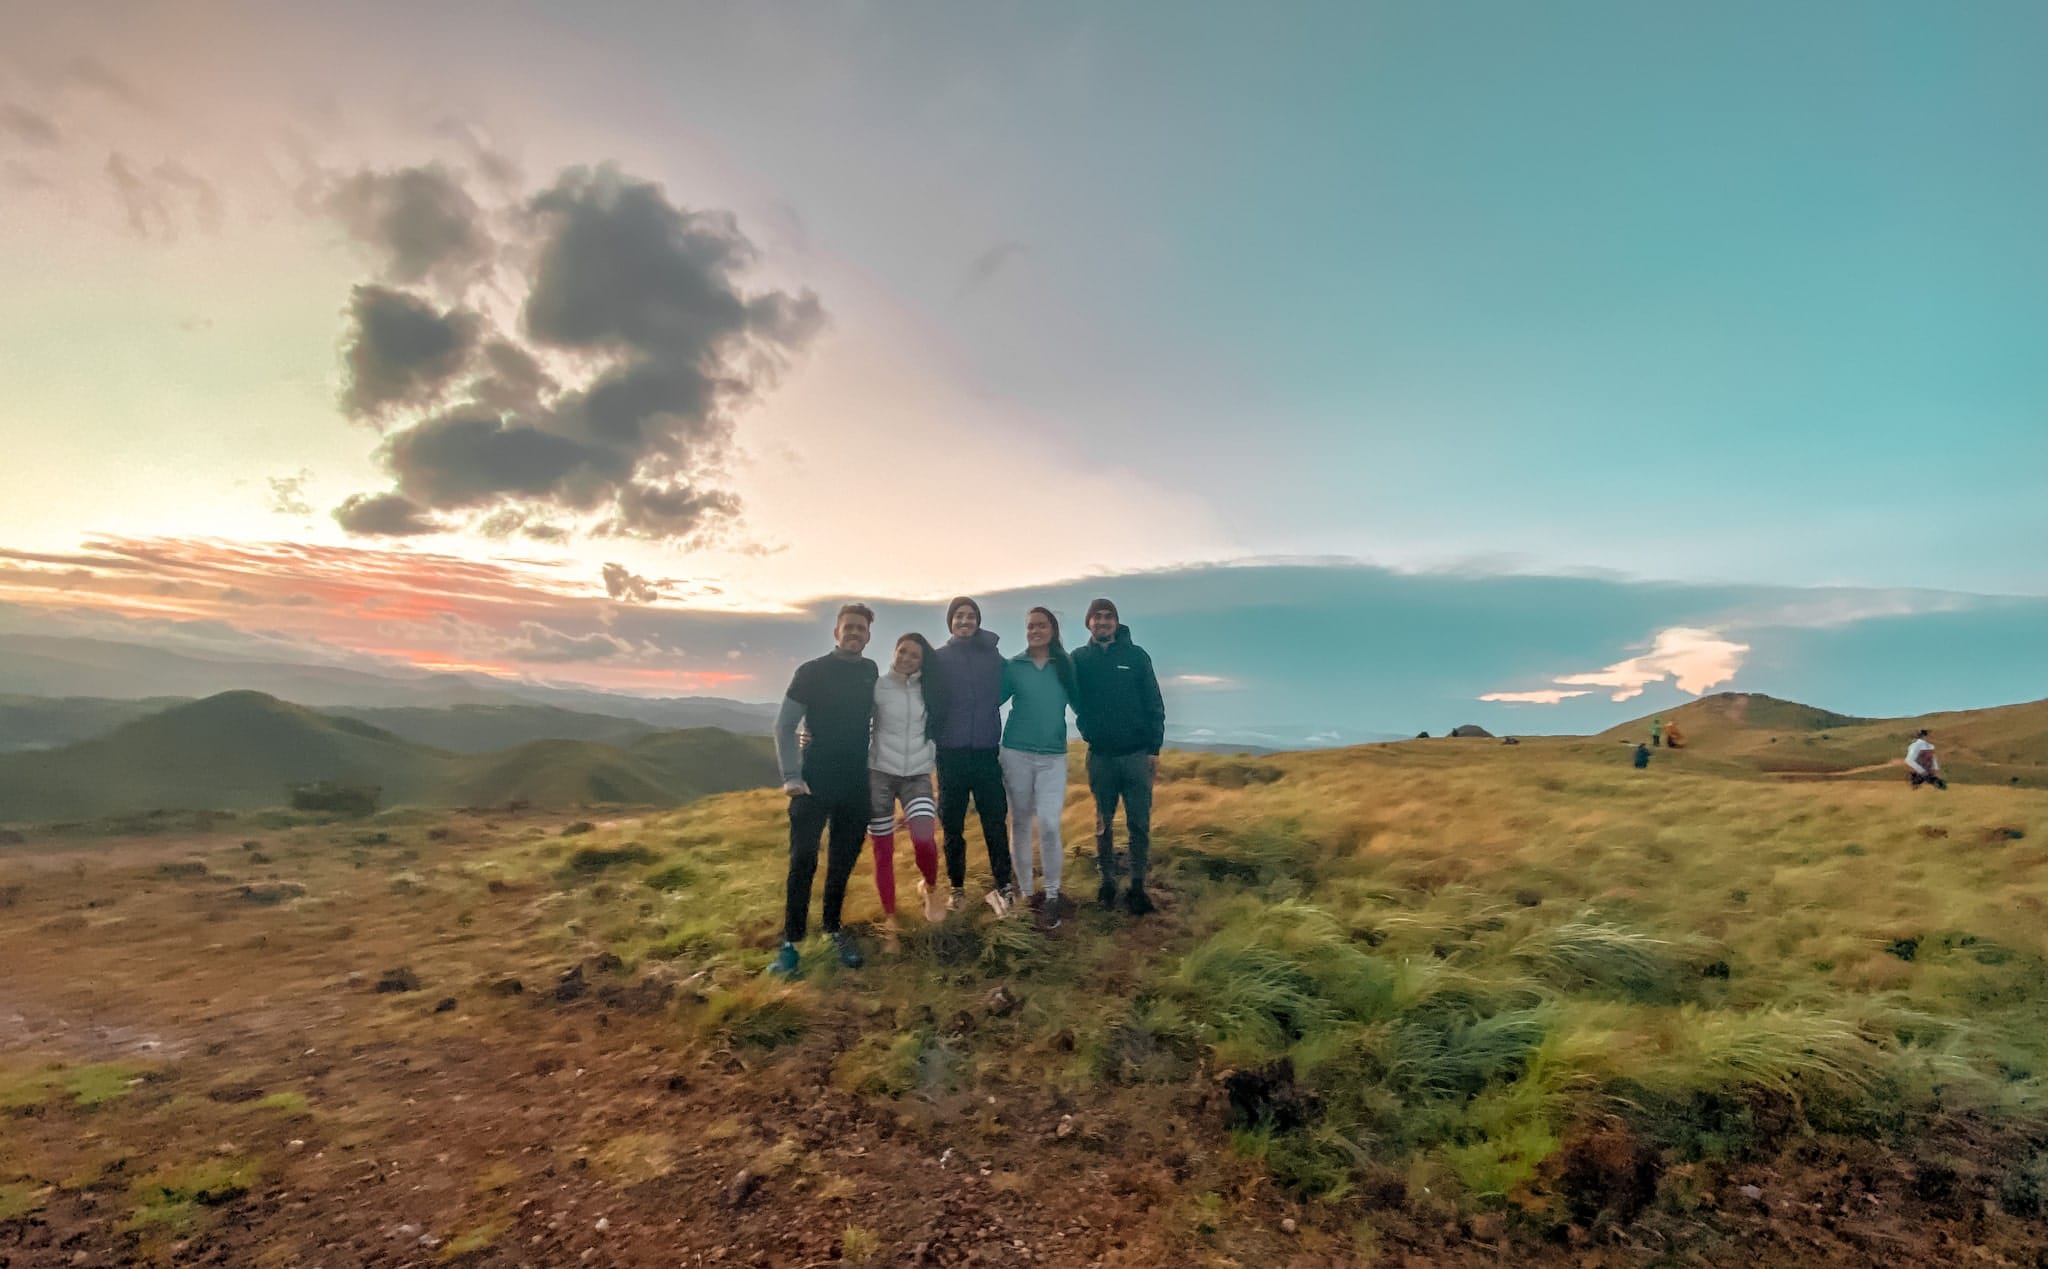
[1548, 696]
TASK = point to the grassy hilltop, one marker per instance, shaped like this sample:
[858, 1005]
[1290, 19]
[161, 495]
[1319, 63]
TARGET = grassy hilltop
[1442, 999]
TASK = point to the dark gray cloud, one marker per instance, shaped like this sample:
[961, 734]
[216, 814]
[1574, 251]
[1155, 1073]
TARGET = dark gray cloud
[26, 125]
[384, 515]
[420, 219]
[536, 642]
[403, 352]
[506, 521]
[648, 296]
[984, 267]
[629, 587]
[470, 460]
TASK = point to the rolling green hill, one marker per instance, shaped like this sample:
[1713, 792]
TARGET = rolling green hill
[243, 750]
[45, 722]
[2007, 744]
[484, 728]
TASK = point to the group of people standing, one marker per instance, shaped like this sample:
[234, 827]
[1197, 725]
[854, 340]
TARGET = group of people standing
[855, 743]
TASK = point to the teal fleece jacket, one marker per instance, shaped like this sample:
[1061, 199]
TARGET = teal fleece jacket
[1038, 707]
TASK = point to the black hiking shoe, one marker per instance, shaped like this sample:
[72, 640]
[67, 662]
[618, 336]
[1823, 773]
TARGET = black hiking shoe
[849, 953]
[1105, 894]
[1137, 901]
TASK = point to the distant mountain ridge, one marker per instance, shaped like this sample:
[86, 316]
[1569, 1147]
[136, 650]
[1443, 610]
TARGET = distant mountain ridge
[241, 750]
[49, 666]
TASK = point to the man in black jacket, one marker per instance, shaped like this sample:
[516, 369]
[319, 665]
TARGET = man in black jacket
[833, 697]
[1123, 720]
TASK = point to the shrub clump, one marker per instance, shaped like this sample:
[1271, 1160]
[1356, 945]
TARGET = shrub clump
[352, 801]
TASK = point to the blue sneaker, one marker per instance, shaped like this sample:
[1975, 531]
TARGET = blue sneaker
[787, 963]
[849, 954]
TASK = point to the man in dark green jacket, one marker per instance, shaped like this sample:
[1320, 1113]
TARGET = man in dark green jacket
[1123, 720]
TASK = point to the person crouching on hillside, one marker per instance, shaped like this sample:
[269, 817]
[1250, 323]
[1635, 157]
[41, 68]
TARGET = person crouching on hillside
[909, 701]
[1123, 719]
[970, 738]
[1039, 685]
[826, 779]
[1922, 767]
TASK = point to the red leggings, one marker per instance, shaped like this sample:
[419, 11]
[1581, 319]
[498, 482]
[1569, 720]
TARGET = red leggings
[924, 844]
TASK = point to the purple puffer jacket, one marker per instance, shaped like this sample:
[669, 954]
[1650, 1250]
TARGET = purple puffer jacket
[973, 672]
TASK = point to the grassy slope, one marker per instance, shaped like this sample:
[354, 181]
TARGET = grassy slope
[1473, 959]
[2007, 744]
[241, 750]
[1530, 999]
[485, 728]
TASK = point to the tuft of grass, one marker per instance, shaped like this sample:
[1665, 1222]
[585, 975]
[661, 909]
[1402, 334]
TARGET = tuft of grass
[176, 1197]
[480, 1238]
[756, 1014]
[19, 1199]
[286, 1103]
[636, 1157]
[859, 1246]
[89, 1086]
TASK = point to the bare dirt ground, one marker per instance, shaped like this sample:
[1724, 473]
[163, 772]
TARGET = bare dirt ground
[253, 1085]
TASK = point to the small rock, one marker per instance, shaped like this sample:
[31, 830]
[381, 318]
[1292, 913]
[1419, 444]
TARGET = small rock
[508, 987]
[296, 1143]
[429, 1241]
[946, 1159]
[603, 1223]
[400, 979]
[1002, 1002]
[741, 1187]
[1287, 1225]
[447, 1003]
[1066, 1128]
[1753, 1192]
[406, 1231]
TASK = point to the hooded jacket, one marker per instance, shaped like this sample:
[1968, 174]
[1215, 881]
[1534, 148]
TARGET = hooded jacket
[1119, 707]
[902, 743]
[973, 674]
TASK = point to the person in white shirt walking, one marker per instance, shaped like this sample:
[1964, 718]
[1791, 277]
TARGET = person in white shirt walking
[909, 699]
[1922, 766]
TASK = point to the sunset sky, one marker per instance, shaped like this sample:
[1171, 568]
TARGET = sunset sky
[613, 344]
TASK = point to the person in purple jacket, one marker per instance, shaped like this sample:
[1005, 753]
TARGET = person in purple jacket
[970, 745]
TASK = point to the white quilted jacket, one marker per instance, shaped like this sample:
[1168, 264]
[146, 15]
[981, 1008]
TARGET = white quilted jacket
[898, 745]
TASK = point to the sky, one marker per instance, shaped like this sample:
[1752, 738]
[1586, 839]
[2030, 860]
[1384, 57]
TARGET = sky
[1686, 349]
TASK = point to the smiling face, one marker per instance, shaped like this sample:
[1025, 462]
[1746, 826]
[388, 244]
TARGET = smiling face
[1037, 630]
[909, 657]
[851, 633]
[964, 622]
[1102, 624]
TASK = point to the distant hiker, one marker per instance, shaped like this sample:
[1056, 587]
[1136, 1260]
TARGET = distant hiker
[1657, 732]
[1642, 756]
[1922, 767]
[826, 779]
[1039, 685]
[909, 700]
[1674, 738]
[970, 741]
[1123, 719]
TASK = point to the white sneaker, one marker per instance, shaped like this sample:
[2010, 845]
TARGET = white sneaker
[999, 902]
[935, 905]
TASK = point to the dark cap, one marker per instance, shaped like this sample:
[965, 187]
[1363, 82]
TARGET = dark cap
[959, 602]
[1101, 605]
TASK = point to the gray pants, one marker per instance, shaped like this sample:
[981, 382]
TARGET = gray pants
[1127, 778]
[1037, 785]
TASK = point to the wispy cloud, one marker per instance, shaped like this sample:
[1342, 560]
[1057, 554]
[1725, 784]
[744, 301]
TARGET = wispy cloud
[1544, 696]
[983, 268]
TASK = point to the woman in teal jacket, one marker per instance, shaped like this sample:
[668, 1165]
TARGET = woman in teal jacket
[1039, 686]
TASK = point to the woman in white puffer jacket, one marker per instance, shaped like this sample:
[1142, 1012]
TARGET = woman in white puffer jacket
[909, 700]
